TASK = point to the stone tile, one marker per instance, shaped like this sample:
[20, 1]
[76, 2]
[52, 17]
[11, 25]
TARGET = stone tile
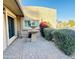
[39, 49]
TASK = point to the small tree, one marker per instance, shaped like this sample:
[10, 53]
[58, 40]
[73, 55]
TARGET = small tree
[71, 23]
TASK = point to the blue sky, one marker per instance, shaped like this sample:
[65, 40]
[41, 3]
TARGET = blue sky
[65, 8]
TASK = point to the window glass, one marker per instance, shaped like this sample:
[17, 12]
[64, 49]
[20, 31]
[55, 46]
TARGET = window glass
[35, 23]
[11, 26]
[27, 23]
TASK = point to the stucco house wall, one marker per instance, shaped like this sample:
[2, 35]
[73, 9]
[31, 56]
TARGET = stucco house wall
[17, 27]
[6, 29]
[12, 14]
[41, 14]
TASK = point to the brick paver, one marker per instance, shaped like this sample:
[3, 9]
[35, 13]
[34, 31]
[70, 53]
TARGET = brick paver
[39, 49]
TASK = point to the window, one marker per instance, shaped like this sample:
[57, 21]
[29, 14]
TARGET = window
[27, 23]
[34, 23]
[11, 26]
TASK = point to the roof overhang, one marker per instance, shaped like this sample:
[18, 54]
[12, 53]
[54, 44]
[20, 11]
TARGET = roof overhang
[14, 6]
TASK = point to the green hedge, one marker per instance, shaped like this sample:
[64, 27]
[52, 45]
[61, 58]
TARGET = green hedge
[47, 33]
[42, 32]
[65, 40]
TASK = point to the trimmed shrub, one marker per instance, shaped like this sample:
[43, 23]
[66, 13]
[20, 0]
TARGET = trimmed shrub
[65, 40]
[47, 33]
[52, 34]
[42, 32]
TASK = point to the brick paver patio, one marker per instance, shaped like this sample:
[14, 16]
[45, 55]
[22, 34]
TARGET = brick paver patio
[39, 49]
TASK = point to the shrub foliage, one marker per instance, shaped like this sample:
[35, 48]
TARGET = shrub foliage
[47, 33]
[65, 40]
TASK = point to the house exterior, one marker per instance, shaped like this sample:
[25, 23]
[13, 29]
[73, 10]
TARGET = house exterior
[12, 15]
[41, 14]
[17, 20]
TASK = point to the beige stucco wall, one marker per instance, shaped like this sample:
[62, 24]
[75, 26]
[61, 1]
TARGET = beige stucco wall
[41, 13]
[49, 15]
[6, 40]
[18, 24]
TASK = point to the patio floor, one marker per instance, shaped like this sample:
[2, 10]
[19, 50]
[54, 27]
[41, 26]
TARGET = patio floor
[39, 49]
